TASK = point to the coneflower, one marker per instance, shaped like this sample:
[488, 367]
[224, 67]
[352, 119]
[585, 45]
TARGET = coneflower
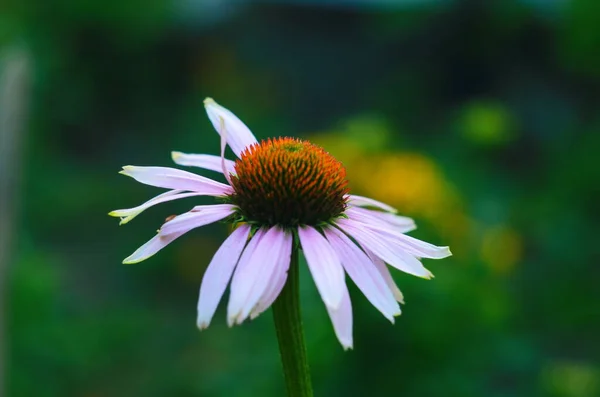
[283, 194]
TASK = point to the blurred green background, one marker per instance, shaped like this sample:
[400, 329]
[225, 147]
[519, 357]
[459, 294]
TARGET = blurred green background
[477, 118]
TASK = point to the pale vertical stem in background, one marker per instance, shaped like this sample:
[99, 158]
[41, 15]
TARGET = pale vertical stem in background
[15, 72]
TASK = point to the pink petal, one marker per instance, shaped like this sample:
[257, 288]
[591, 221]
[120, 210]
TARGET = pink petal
[360, 201]
[380, 219]
[276, 282]
[275, 286]
[223, 163]
[342, 320]
[254, 272]
[385, 273]
[198, 216]
[127, 215]
[218, 273]
[421, 248]
[235, 301]
[324, 266]
[390, 253]
[364, 273]
[409, 244]
[154, 245]
[206, 161]
[225, 122]
[172, 178]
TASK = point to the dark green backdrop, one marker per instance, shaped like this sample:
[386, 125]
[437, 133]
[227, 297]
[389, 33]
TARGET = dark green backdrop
[477, 118]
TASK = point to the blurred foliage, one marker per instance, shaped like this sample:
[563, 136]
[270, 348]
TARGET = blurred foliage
[478, 119]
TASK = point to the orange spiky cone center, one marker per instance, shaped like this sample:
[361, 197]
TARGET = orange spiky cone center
[288, 182]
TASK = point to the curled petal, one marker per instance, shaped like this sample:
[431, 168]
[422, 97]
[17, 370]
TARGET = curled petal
[206, 161]
[127, 215]
[360, 201]
[198, 216]
[172, 178]
[224, 170]
[218, 273]
[324, 265]
[238, 135]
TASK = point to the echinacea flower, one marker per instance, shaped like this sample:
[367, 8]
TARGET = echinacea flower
[282, 190]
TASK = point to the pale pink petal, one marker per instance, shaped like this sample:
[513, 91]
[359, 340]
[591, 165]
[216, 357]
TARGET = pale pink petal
[235, 302]
[324, 265]
[360, 201]
[390, 253]
[380, 219]
[254, 271]
[364, 273]
[422, 249]
[225, 122]
[206, 161]
[172, 178]
[218, 273]
[275, 286]
[409, 244]
[127, 215]
[223, 163]
[277, 245]
[154, 245]
[198, 216]
[276, 283]
[385, 273]
[342, 320]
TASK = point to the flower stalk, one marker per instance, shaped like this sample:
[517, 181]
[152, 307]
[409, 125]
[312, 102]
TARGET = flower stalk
[290, 335]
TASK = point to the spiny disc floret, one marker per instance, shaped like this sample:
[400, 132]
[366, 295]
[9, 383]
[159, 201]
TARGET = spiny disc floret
[288, 182]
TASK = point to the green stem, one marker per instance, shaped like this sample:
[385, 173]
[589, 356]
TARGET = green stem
[288, 323]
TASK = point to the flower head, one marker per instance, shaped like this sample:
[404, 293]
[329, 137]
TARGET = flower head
[279, 190]
[288, 182]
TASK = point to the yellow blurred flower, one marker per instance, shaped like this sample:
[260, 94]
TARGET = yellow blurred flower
[501, 249]
[409, 181]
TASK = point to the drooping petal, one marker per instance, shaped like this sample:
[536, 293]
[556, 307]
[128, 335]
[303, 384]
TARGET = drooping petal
[324, 265]
[342, 320]
[360, 201]
[401, 224]
[275, 286]
[390, 253]
[218, 273]
[278, 243]
[254, 272]
[206, 161]
[225, 122]
[276, 283]
[235, 298]
[198, 216]
[153, 245]
[172, 178]
[127, 215]
[385, 273]
[364, 273]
